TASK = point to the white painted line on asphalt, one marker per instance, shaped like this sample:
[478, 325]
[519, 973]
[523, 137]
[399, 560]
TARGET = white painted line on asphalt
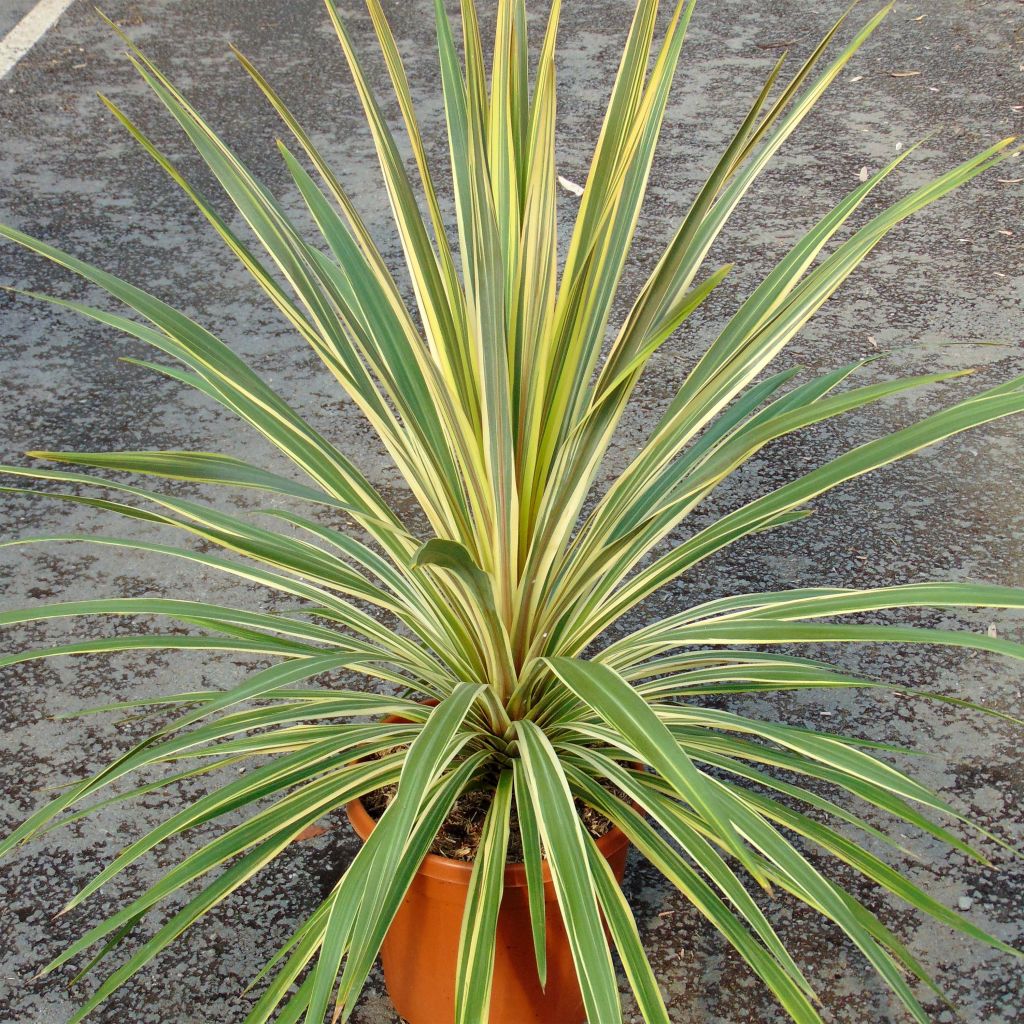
[29, 31]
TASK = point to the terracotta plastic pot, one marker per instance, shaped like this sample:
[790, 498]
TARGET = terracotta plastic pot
[421, 949]
[422, 945]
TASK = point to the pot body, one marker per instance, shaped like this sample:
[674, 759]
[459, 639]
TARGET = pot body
[421, 949]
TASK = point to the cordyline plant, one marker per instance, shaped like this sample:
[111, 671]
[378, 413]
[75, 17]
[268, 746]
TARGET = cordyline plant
[497, 396]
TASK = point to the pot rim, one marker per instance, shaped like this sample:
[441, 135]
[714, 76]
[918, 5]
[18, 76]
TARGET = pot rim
[458, 872]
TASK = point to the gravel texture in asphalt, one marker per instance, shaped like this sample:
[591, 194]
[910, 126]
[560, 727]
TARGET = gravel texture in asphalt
[942, 292]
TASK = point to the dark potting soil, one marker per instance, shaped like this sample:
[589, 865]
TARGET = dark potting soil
[459, 837]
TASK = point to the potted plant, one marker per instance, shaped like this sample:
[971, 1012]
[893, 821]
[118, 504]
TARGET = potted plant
[497, 392]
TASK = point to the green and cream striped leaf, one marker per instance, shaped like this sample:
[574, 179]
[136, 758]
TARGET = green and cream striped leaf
[529, 832]
[358, 920]
[565, 847]
[480, 918]
[680, 873]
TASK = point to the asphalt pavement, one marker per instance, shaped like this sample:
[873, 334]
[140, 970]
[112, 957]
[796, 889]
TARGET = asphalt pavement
[943, 292]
